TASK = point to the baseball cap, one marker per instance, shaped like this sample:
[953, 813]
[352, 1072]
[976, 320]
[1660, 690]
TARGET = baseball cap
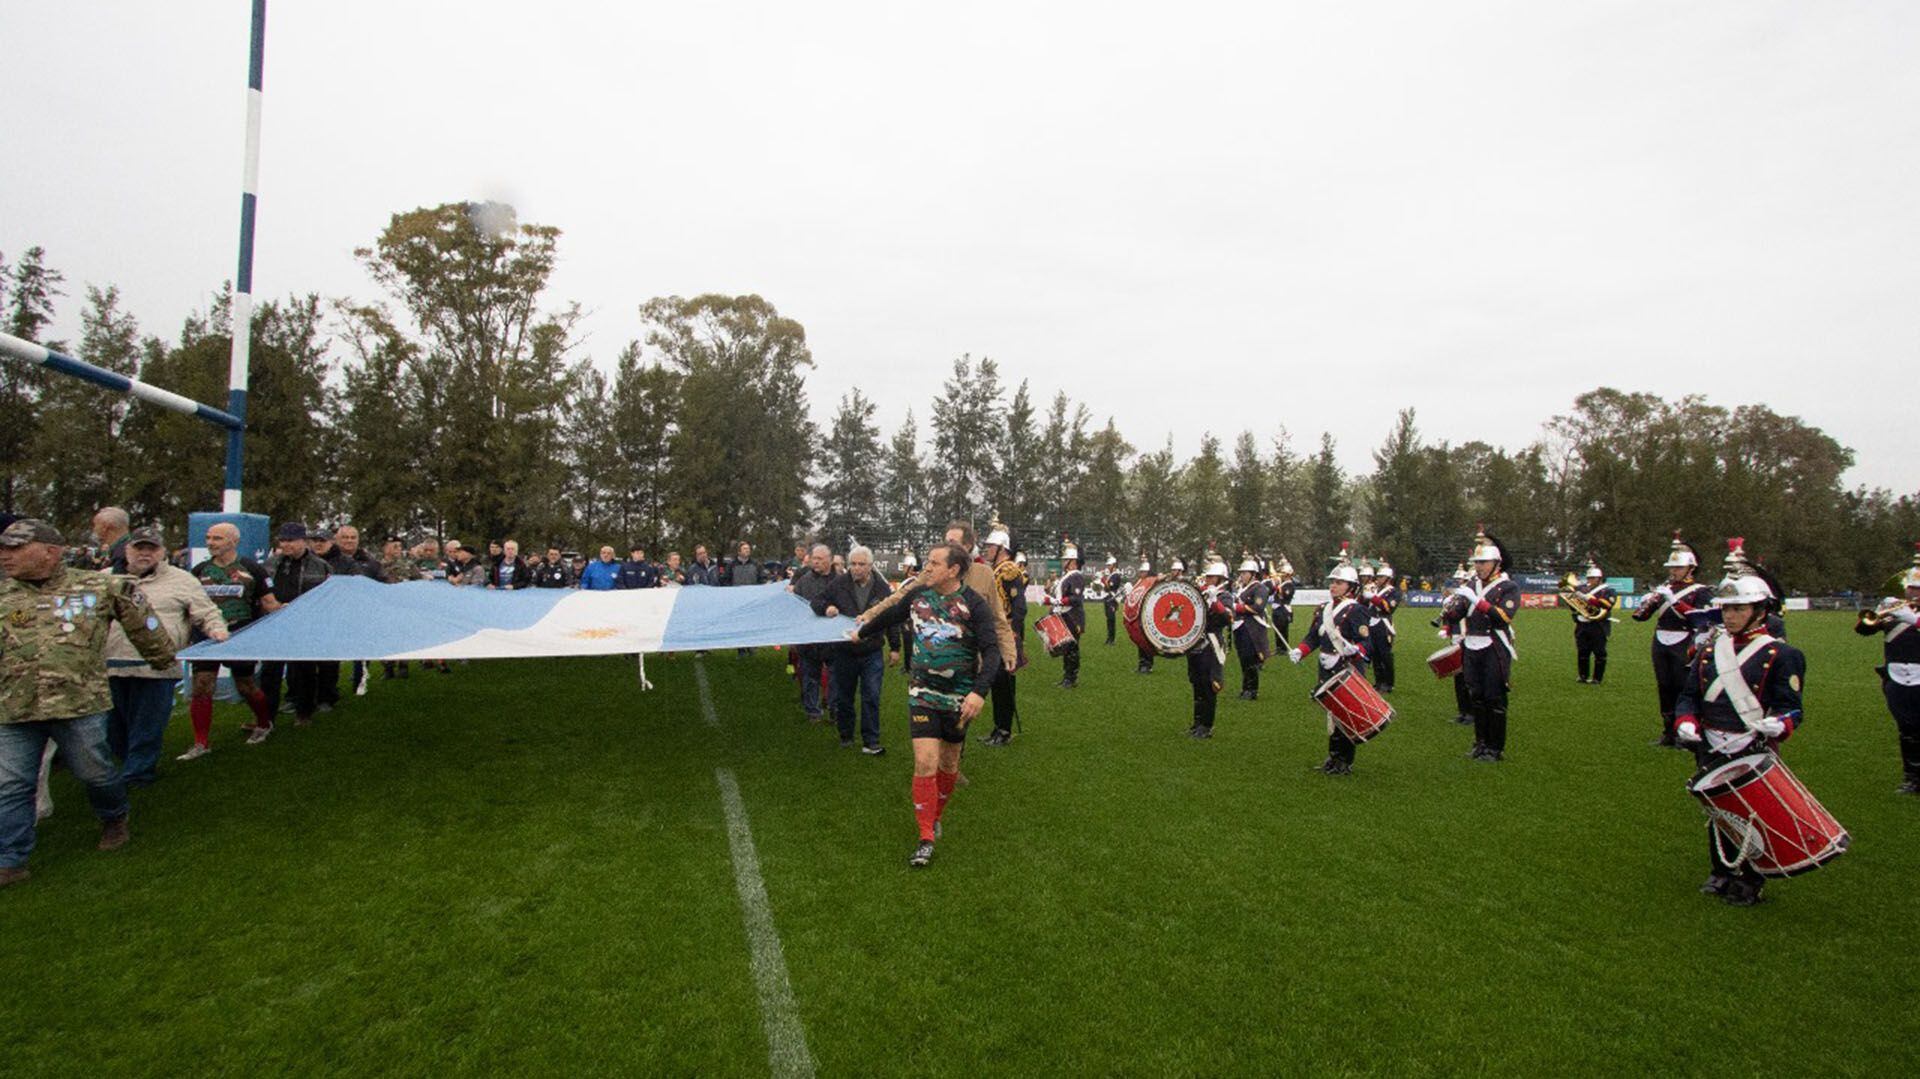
[31, 530]
[149, 535]
[321, 534]
[293, 530]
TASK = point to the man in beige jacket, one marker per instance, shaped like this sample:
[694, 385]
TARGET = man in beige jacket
[142, 696]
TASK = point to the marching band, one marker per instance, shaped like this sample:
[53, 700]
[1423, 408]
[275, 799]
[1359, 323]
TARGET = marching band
[1729, 685]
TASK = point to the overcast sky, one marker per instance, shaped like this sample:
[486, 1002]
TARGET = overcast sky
[1190, 217]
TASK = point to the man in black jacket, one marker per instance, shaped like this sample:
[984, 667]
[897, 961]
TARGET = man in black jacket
[858, 664]
[809, 660]
[293, 571]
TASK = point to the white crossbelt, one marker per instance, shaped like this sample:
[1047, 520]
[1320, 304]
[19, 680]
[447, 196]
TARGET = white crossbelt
[1330, 627]
[1729, 678]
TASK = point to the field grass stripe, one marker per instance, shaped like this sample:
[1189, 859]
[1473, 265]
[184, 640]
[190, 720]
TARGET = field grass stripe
[706, 695]
[779, 1014]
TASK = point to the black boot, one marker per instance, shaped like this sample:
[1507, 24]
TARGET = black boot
[1599, 668]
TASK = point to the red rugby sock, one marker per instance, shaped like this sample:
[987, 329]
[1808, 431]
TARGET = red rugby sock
[945, 781]
[926, 804]
[201, 711]
[262, 714]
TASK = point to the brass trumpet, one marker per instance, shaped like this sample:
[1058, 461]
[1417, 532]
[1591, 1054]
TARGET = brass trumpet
[1883, 614]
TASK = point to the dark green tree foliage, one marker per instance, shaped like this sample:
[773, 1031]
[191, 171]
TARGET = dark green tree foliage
[290, 459]
[644, 401]
[853, 467]
[1205, 512]
[966, 438]
[381, 430]
[1100, 496]
[742, 446]
[1154, 507]
[1014, 492]
[490, 366]
[589, 437]
[903, 488]
[78, 458]
[1249, 486]
[1329, 512]
[27, 291]
[1063, 463]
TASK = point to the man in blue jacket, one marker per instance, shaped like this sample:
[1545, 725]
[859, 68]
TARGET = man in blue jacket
[601, 574]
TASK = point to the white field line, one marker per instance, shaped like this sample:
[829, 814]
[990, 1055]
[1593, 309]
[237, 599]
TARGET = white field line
[706, 695]
[779, 1015]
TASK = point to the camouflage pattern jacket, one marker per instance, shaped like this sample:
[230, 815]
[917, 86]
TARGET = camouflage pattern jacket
[53, 642]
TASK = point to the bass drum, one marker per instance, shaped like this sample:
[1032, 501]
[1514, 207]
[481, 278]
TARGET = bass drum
[1165, 617]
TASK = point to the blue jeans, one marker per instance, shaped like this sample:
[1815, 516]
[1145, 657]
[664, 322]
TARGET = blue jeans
[809, 668]
[851, 671]
[138, 722]
[83, 745]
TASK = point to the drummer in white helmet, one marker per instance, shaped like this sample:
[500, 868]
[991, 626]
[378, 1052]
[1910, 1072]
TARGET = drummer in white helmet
[1250, 599]
[1206, 660]
[1741, 696]
[1669, 607]
[1069, 602]
[1144, 573]
[1452, 615]
[1339, 633]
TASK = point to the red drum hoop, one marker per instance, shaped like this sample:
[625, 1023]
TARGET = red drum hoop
[1353, 705]
[1447, 662]
[1055, 632]
[1763, 814]
[1165, 616]
[1130, 606]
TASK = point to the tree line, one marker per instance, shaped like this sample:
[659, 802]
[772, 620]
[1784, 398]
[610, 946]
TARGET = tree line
[459, 402]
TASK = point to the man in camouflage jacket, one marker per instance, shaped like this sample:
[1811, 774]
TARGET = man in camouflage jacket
[53, 681]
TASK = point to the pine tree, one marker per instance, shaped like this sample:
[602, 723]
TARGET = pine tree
[850, 507]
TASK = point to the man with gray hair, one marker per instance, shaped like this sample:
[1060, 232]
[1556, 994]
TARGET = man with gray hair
[858, 665]
[809, 660]
[111, 526]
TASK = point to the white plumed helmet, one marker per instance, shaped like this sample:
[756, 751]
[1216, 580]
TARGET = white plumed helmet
[1681, 556]
[1742, 588]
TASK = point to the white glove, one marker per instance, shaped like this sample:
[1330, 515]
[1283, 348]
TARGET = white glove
[1466, 593]
[1687, 730]
[1294, 655]
[1906, 615]
[1664, 592]
[1771, 726]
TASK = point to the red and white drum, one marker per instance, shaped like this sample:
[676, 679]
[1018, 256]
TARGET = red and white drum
[1054, 631]
[1354, 705]
[1766, 817]
[1447, 662]
[1164, 616]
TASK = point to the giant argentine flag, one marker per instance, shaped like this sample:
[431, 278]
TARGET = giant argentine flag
[355, 618]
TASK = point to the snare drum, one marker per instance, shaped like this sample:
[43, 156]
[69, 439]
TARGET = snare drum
[1447, 662]
[1765, 817]
[1353, 705]
[1054, 630]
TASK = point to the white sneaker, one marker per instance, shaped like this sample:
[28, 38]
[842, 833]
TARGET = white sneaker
[194, 752]
[259, 735]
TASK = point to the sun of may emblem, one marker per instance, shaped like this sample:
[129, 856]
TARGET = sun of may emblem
[598, 634]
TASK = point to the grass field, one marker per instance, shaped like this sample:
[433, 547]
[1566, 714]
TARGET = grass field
[524, 866]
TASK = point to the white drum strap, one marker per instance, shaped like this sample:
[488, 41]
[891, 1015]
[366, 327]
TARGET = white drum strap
[1729, 679]
[1673, 599]
[1330, 626]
